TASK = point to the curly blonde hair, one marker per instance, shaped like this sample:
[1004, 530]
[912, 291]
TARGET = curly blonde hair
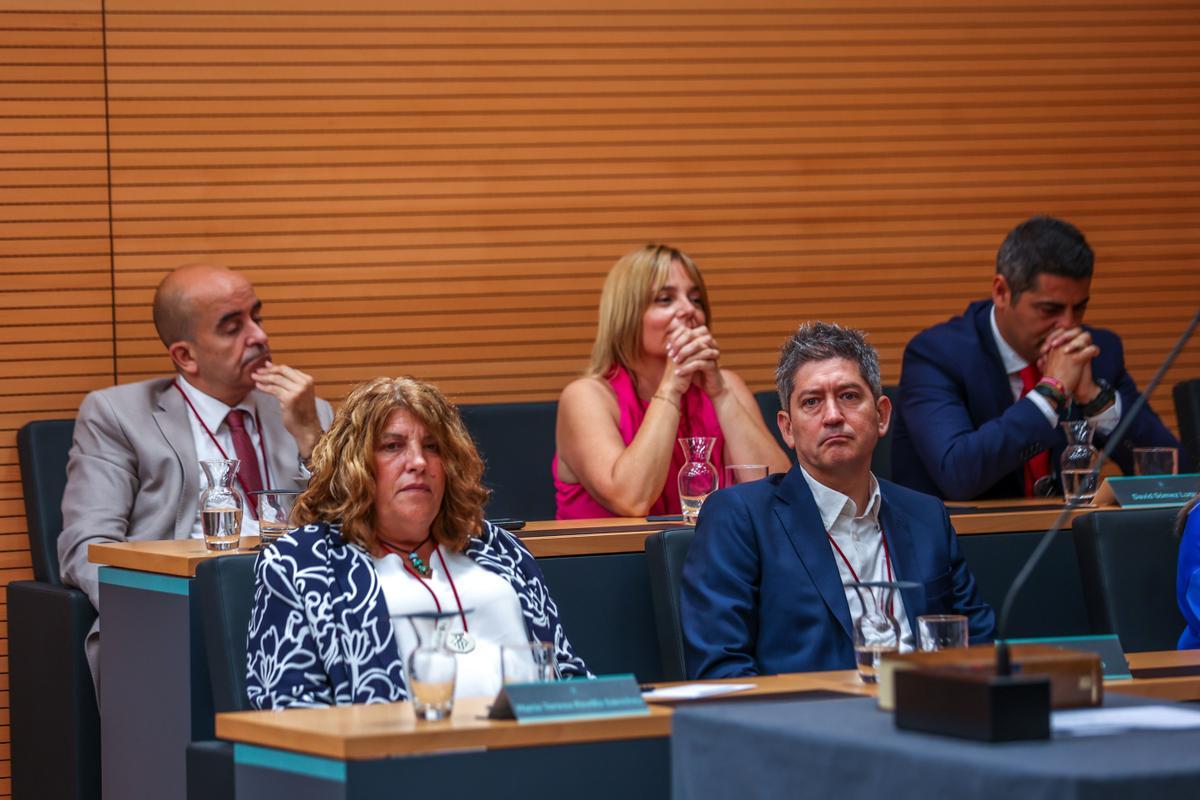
[342, 488]
[628, 290]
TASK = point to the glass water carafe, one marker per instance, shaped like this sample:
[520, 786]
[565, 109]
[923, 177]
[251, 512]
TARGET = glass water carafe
[1079, 476]
[221, 506]
[876, 631]
[697, 477]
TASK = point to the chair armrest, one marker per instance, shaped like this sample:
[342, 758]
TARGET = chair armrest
[55, 723]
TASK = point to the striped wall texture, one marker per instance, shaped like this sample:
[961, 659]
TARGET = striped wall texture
[438, 188]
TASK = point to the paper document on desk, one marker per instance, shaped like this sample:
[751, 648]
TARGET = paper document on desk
[696, 691]
[1103, 721]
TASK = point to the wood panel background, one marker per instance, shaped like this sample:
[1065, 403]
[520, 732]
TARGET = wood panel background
[438, 188]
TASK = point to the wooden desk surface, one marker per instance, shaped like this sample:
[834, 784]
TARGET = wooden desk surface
[391, 729]
[380, 731]
[544, 539]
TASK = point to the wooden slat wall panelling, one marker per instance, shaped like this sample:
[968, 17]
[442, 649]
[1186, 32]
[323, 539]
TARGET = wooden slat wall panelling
[56, 321]
[440, 188]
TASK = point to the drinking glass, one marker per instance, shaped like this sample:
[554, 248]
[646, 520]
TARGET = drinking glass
[941, 631]
[432, 670]
[1155, 461]
[528, 662]
[744, 473]
[221, 506]
[274, 509]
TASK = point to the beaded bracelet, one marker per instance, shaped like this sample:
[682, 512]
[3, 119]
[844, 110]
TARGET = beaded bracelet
[1055, 384]
[1053, 395]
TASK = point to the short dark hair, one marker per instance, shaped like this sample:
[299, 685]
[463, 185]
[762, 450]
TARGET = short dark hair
[1043, 245]
[821, 341]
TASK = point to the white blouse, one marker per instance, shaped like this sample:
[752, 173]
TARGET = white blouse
[495, 618]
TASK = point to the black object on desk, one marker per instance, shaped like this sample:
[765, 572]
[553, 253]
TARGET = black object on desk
[665, 518]
[508, 524]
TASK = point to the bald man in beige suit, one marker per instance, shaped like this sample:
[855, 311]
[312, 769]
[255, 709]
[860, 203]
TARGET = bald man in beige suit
[134, 472]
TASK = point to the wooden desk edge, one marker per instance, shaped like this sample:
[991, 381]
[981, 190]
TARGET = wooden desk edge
[179, 558]
[264, 728]
[425, 738]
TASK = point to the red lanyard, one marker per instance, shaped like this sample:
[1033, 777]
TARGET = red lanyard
[262, 440]
[437, 603]
[887, 560]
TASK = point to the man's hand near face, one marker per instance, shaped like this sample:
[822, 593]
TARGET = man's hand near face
[297, 395]
[1067, 356]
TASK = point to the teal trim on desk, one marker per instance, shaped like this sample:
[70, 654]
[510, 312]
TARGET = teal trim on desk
[326, 769]
[1051, 639]
[146, 581]
[1107, 638]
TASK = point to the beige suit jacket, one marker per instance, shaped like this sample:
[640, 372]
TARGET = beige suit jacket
[133, 474]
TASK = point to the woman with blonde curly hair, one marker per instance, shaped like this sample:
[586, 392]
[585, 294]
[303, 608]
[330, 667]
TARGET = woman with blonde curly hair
[392, 525]
[655, 376]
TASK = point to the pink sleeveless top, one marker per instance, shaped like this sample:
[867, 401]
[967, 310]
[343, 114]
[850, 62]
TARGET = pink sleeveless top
[697, 418]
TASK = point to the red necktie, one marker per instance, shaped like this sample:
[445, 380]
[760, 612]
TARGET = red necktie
[248, 468]
[1039, 465]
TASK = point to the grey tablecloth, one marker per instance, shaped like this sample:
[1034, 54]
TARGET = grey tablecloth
[848, 749]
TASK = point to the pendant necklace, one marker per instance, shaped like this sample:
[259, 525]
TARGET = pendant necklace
[461, 642]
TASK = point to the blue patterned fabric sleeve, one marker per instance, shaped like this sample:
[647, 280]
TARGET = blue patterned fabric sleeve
[319, 631]
[282, 667]
[499, 551]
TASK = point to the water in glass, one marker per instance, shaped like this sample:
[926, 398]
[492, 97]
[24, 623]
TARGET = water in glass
[220, 506]
[697, 477]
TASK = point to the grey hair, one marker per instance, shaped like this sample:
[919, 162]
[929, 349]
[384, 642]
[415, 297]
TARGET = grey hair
[821, 341]
[1043, 245]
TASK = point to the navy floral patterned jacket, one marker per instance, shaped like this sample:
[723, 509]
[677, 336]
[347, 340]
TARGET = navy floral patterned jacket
[320, 633]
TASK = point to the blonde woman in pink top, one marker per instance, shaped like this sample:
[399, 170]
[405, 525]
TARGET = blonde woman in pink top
[655, 375]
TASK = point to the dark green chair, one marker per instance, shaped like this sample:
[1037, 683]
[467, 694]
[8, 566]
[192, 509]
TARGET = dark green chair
[665, 554]
[1127, 564]
[225, 587]
[55, 723]
[516, 441]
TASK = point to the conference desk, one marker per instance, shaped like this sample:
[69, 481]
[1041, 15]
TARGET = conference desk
[365, 751]
[155, 668]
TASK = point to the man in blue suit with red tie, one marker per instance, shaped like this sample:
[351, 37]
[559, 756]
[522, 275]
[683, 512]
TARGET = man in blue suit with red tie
[764, 584]
[982, 395]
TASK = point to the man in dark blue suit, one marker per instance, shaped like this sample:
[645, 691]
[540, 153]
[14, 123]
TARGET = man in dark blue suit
[981, 396]
[764, 582]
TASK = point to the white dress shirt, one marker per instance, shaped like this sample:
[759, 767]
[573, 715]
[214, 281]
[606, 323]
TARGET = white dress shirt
[495, 617]
[860, 538]
[1104, 422]
[213, 412]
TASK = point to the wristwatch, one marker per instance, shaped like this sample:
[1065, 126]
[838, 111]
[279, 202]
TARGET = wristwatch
[1101, 401]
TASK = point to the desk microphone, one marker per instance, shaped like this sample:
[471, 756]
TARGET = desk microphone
[1003, 658]
[1000, 707]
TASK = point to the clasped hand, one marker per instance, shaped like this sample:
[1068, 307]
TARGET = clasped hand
[1066, 356]
[694, 358]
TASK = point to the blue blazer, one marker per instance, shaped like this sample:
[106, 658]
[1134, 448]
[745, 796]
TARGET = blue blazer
[959, 435]
[762, 594]
[1187, 581]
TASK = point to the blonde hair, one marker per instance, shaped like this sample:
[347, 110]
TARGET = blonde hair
[628, 290]
[342, 488]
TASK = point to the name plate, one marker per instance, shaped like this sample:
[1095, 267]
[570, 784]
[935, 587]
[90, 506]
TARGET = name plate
[606, 696]
[1148, 490]
[1113, 664]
